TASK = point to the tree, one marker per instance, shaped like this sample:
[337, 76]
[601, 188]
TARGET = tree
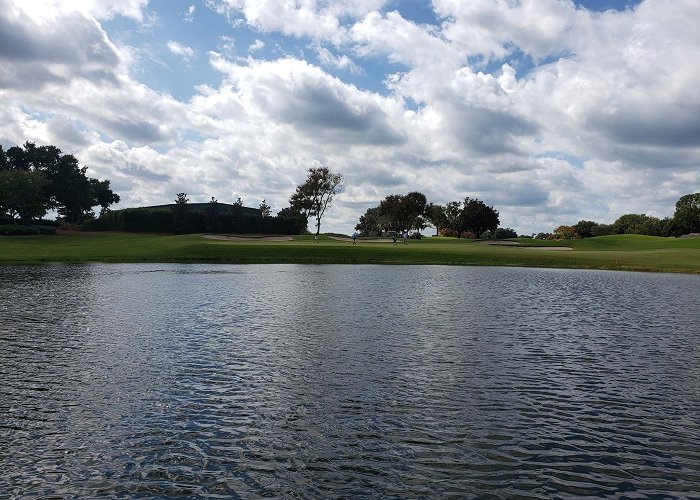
[103, 194]
[370, 224]
[503, 233]
[265, 210]
[477, 217]
[453, 221]
[565, 233]
[435, 214]
[300, 220]
[313, 197]
[4, 163]
[180, 213]
[211, 215]
[602, 230]
[686, 218]
[472, 216]
[638, 224]
[68, 189]
[22, 194]
[585, 228]
[411, 207]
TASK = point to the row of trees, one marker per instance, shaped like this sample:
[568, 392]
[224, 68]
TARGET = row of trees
[34, 180]
[685, 220]
[471, 217]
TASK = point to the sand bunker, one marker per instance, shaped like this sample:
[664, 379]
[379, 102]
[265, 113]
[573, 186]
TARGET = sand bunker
[553, 249]
[238, 237]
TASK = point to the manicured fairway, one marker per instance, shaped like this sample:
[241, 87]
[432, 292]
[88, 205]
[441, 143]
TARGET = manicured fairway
[622, 252]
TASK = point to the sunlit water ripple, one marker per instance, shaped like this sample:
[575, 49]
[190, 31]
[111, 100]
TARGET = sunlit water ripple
[344, 381]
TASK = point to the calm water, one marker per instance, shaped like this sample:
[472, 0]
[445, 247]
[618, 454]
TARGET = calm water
[343, 381]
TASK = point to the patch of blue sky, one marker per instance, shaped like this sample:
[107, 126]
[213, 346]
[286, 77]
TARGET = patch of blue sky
[575, 161]
[417, 11]
[162, 69]
[603, 5]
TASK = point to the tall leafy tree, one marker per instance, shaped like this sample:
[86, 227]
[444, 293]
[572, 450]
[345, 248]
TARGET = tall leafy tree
[67, 188]
[453, 217]
[585, 228]
[370, 223]
[478, 218]
[396, 212]
[313, 197]
[412, 207]
[435, 215]
[687, 215]
[471, 215]
[22, 194]
[103, 195]
[300, 220]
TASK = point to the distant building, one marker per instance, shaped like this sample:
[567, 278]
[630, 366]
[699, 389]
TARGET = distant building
[223, 208]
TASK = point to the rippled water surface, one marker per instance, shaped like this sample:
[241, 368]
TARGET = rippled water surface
[343, 381]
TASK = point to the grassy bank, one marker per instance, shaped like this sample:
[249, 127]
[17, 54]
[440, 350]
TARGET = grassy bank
[622, 252]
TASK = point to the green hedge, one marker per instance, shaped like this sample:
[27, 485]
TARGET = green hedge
[12, 230]
[140, 220]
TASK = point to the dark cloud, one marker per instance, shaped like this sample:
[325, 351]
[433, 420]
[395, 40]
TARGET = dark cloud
[140, 132]
[487, 131]
[64, 131]
[319, 108]
[380, 176]
[655, 126]
[143, 172]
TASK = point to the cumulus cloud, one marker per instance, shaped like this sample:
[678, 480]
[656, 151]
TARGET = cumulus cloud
[34, 54]
[319, 19]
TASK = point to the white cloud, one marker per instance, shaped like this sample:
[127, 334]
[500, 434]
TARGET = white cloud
[189, 14]
[180, 50]
[256, 45]
[47, 9]
[493, 28]
[330, 60]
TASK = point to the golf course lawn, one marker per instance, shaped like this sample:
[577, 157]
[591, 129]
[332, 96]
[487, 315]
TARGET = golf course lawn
[620, 252]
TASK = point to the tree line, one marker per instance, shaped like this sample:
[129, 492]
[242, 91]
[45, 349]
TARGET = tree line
[685, 220]
[470, 218]
[36, 179]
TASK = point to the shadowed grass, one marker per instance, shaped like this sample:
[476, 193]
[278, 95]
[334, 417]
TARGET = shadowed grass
[621, 252]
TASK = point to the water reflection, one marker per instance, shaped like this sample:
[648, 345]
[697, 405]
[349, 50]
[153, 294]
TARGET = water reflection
[347, 380]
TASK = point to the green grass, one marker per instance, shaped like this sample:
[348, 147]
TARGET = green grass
[622, 252]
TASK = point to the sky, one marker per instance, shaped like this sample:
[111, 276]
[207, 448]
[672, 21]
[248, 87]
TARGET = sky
[551, 111]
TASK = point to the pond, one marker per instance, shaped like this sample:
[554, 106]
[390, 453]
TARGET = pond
[343, 381]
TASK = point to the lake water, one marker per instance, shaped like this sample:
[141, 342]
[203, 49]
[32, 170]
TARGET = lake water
[343, 381]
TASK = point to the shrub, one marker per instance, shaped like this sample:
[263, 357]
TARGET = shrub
[12, 230]
[445, 231]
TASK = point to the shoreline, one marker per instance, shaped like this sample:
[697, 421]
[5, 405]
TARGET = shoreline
[616, 253]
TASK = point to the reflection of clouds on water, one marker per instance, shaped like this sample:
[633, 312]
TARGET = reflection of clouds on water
[346, 380]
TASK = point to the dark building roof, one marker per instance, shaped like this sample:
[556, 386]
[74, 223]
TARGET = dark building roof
[202, 207]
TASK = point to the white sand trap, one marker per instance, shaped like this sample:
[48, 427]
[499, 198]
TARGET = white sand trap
[237, 237]
[551, 249]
